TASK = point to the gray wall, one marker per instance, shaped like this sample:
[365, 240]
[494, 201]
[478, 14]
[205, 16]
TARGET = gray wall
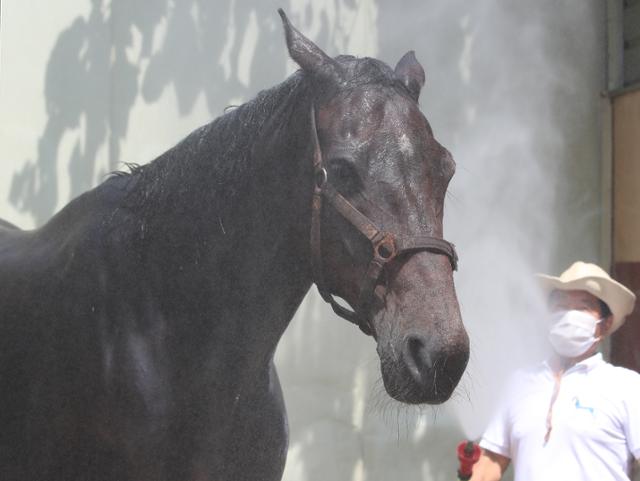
[512, 90]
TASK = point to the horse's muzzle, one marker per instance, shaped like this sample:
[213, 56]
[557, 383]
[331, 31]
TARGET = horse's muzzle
[423, 371]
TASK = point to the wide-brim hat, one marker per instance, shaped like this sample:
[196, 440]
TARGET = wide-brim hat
[583, 276]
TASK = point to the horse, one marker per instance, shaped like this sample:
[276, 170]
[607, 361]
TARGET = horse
[139, 324]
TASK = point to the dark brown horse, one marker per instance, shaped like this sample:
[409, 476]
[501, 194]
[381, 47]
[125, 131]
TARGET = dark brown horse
[138, 326]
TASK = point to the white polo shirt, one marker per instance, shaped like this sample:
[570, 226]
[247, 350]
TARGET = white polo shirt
[595, 424]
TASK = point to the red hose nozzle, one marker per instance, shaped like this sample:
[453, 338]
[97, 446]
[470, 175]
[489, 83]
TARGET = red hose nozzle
[468, 455]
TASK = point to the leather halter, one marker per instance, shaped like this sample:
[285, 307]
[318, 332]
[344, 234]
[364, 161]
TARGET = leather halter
[386, 245]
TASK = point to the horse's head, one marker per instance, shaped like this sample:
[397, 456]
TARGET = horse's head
[376, 235]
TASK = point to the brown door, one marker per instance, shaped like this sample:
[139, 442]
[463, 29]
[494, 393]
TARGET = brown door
[625, 343]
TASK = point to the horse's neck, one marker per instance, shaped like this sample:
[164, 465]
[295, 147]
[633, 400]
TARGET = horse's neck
[271, 252]
[251, 253]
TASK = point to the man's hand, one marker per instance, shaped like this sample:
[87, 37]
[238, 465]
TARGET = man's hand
[490, 467]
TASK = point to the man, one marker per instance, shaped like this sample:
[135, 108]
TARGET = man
[575, 417]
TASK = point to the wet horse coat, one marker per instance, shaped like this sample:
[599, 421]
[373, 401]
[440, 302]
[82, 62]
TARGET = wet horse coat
[138, 326]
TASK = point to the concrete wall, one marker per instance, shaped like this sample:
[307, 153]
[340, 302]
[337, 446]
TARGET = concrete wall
[512, 90]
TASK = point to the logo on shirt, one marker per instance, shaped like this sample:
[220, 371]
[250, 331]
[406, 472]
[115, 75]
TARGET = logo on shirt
[579, 405]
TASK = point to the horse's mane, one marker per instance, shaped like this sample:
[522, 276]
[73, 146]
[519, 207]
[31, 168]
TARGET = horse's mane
[217, 156]
[220, 149]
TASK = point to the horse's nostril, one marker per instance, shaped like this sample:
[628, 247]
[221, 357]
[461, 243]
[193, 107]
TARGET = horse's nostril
[417, 356]
[426, 370]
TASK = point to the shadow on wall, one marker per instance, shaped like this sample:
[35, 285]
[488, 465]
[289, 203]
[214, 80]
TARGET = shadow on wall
[92, 80]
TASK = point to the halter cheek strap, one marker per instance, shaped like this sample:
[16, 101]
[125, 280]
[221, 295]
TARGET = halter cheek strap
[386, 246]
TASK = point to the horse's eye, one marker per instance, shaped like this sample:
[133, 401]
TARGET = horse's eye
[342, 173]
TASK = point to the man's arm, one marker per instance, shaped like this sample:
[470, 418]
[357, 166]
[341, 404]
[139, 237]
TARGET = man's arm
[490, 467]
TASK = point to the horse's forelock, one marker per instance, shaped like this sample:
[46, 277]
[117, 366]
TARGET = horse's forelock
[367, 71]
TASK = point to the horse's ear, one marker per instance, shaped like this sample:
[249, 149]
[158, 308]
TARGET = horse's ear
[410, 73]
[308, 55]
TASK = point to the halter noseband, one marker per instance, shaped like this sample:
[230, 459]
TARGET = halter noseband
[386, 245]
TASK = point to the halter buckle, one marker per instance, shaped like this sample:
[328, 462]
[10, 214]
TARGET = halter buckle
[385, 249]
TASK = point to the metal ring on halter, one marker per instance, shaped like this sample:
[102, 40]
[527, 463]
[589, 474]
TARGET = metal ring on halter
[321, 177]
[385, 249]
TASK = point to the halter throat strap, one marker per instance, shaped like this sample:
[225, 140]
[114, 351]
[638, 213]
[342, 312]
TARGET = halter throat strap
[386, 246]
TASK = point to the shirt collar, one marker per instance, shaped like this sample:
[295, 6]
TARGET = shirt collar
[585, 365]
[589, 363]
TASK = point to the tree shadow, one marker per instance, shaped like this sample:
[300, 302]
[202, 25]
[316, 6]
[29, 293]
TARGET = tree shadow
[94, 78]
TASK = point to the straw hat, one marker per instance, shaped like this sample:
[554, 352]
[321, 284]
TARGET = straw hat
[583, 276]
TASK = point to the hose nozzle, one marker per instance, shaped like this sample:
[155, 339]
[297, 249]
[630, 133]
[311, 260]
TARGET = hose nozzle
[468, 455]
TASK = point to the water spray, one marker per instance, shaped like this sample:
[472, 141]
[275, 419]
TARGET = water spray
[468, 455]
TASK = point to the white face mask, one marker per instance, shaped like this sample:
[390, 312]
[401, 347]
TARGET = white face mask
[572, 333]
